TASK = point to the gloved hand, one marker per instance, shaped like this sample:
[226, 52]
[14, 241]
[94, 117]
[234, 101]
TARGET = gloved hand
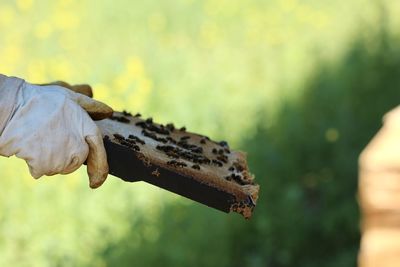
[50, 128]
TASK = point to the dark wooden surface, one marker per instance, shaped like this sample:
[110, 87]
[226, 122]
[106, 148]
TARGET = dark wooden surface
[125, 165]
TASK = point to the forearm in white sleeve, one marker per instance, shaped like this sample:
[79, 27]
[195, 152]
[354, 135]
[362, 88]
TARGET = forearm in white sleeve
[9, 89]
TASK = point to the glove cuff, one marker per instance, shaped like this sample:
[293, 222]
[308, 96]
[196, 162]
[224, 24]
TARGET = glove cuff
[9, 89]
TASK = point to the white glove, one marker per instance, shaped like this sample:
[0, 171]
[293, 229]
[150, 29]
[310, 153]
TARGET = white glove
[48, 127]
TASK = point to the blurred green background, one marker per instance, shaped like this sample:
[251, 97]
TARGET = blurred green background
[300, 85]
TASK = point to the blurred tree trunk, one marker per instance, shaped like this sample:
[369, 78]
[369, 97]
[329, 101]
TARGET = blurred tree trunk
[379, 196]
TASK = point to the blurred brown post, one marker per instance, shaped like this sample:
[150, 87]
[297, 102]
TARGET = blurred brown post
[379, 196]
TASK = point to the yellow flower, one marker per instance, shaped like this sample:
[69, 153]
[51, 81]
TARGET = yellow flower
[61, 69]
[10, 58]
[65, 20]
[289, 5]
[24, 4]
[134, 67]
[7, 15]
[36, 72]
[101, 92]
[43, 30]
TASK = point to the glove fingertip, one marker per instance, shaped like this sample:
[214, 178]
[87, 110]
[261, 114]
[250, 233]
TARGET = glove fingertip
[96, 181]
[97, 166]
[83, 89]
[101, 112]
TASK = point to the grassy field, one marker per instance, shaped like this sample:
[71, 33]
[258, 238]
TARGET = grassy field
[301, 85]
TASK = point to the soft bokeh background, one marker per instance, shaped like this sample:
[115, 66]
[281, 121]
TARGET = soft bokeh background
[300, 85]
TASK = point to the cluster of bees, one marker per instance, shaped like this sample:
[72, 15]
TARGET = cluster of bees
[179, 149]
